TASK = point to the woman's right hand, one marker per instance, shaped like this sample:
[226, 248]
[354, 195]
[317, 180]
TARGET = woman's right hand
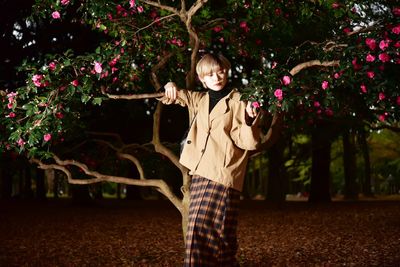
[171, 90]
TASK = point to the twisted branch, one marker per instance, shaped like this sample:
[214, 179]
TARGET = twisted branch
[159, 184]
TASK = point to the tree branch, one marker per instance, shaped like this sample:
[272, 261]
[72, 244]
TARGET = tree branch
[131, 97]
[164, 7]
[313, 63]
[159, 184]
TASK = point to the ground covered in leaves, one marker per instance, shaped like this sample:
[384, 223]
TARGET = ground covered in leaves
[148, 233]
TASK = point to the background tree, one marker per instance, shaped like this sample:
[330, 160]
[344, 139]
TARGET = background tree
[340, 73]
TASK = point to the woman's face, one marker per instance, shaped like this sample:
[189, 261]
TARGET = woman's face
[215, 80]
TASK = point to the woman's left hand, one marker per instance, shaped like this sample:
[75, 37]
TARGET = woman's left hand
[252, 110]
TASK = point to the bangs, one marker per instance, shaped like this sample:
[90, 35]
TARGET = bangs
[210, 63]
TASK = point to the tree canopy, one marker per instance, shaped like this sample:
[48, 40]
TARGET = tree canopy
[314, 60]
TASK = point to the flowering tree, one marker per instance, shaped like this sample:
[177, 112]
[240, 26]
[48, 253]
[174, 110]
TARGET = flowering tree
[312, 61]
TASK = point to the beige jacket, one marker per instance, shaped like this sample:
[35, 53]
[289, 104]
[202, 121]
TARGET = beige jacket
[218, 142]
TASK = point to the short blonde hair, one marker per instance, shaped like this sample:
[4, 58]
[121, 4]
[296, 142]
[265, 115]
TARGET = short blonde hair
[210, 63]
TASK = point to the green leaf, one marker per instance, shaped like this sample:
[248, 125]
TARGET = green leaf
[97, 101]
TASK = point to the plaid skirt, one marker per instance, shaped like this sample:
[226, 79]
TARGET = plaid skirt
[211, 234]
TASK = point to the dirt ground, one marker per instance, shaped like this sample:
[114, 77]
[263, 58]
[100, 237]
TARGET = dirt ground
[148, 233]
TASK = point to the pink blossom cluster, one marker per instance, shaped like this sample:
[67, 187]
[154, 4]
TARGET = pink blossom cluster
[243, 25]
[47, 137]
[52, 66]
[11, 103]
[39, 81]
[56, 14]
[176, 41]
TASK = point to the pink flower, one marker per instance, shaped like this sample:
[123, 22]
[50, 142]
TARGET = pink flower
[11, 95]
[21, 142]
[11, 115]
[325, 85]
[370, 74]
[221, 40]
[329, 112]
[47, 137]
[217, 29]
[75, 83]
[97, 67]
[56, 15]
[381, 96]
[356, 66]
[397, 44]
[59, 115]
[286, 80]
[363, 88]
[396, 30]
[278, 94]
[370, 58]
[10, 105]
[335, 5]
[396, 11]
[381, 117]
[104, 74]
[346, 30]
[274, 64]
[37, 80]
[317, 104]
[64, 2]
[383, 44]
[244, 26]
[337, 75]
[278, 11]
[132, 3]
[52, 66]
[140, 9]
[384, 57]
[255, 104]
[371, 43]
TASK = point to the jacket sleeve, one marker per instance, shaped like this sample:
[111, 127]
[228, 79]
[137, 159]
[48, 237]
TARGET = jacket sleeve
[184, 98]
[246, 137]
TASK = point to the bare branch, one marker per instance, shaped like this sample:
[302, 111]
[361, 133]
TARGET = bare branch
[161, 6]
[392, 128]
[195, 7]
[131, 97]
[159, 184]
[135, 161]
[313, 63]
[154, 79]
[155, 21]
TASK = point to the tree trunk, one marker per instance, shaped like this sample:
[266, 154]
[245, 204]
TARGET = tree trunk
[5, 176]
[40, 184]
[350, 165]
[277, 180]
[27, 177]
[320, 168]
[366, 184]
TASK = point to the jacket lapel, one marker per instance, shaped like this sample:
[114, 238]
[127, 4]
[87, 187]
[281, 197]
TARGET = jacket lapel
[221, 107]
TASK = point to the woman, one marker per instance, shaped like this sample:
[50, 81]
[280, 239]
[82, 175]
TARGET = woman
[223, 130]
